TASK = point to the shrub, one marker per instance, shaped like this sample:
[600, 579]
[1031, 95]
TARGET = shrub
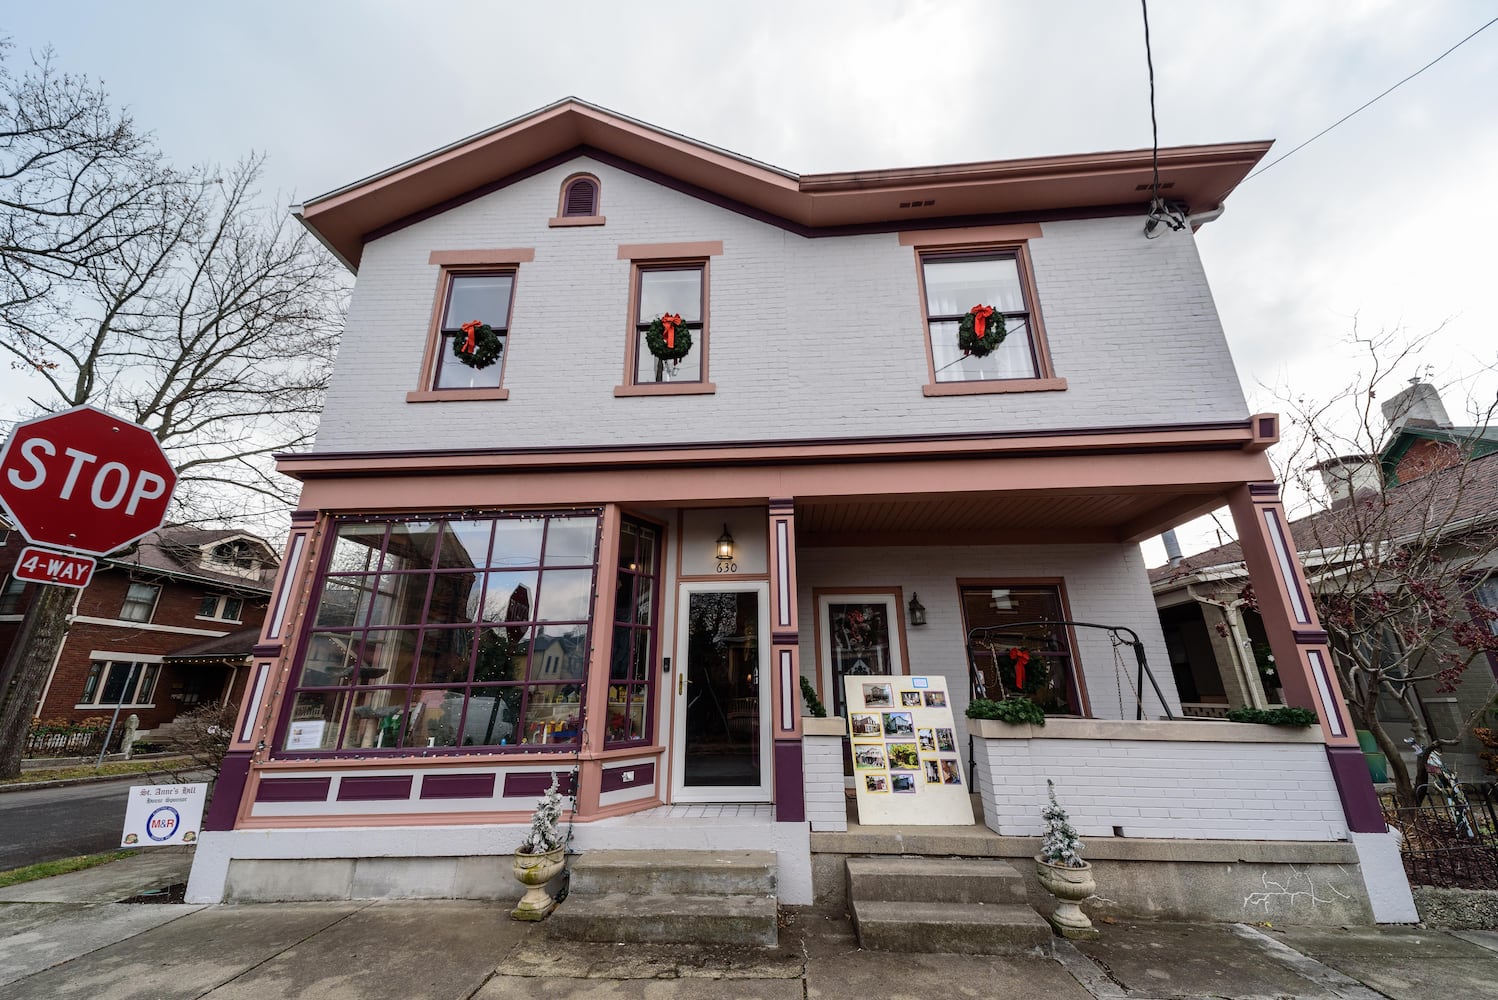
[1281, 716]
[1016, 711]
[813, 703]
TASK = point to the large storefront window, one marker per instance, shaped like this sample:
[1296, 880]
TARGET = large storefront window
[631, 679]
[433, 633]
[1018, 658]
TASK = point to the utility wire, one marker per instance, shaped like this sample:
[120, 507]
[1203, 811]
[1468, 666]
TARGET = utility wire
[1375, 100]
[1159, 212]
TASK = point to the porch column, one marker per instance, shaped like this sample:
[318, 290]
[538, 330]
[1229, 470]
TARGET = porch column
[596, 692]
[1301, 652]
[785, 640]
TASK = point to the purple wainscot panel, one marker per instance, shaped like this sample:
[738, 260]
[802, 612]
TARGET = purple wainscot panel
[1355, 786]
[536, 784]
[633, 776]
[384, 787]
[790, 807]
[457, 786]
[227, 791]
[293, 790]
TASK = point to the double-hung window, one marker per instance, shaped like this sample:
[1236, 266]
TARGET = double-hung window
[119, 682]
[674, 292]
[140, 602]
[474, 297]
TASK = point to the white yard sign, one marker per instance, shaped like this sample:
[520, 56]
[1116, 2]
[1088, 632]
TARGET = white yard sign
[906, 767]
[158, 815]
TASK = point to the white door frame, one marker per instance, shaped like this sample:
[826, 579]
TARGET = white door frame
[681, 792]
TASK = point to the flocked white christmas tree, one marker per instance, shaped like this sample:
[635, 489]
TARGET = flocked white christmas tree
[1060, 844]
[545, 835]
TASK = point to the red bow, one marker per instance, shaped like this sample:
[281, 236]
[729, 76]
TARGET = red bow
[670, 322]
[471, 328]
[1019, 657]
[980, 316]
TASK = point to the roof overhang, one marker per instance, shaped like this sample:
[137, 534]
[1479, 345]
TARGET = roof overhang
[1198, 177]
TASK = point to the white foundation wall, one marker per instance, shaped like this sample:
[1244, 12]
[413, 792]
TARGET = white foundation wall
[1106, 584]
[828, 330]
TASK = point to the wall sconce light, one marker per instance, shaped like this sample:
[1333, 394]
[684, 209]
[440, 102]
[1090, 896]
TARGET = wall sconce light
[917, 610]
[725, 546]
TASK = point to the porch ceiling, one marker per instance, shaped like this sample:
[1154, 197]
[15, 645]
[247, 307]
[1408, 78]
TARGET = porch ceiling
[998, 518]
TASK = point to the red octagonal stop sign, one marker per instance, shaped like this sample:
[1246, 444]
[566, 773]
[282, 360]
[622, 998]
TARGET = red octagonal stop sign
[84, 480]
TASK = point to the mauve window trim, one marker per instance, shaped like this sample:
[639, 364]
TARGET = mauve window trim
[653, 651]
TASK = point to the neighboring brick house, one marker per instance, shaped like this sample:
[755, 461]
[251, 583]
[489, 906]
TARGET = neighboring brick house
[731, 438]
[177, 589]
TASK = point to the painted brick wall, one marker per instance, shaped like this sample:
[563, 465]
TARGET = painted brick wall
[822, 777]
[809, 338]
[1161, 788]
[1103, 583]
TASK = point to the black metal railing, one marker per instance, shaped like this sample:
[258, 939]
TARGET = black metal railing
[1449, 845]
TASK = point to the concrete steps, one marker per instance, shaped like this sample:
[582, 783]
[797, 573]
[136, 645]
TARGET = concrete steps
[966, 906]
[683, 897]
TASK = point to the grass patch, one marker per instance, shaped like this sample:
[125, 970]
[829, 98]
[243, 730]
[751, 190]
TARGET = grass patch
[49, 868]
[63, 773]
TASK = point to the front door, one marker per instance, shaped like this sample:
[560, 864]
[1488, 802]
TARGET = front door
[722, 746]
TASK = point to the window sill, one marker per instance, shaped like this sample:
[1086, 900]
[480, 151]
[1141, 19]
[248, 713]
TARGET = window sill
[667, 389]
[454, 395]
[995, 385]
[110, 707]
[224, 621]
[577, 220]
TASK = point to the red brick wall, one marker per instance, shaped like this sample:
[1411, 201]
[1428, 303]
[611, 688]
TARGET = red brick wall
[1425, 457]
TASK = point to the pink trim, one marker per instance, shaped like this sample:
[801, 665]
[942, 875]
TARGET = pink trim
[652, 251]
[576, 220]
[988, 386]
[667, 389]
[931, 238]
[482, 258]
[455, 395]
[566, 189]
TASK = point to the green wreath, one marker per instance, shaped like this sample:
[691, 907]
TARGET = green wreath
[993, 331]
[680, 342]
[487, 345]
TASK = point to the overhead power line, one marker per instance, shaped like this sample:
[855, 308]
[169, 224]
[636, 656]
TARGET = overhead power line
[1374, 101]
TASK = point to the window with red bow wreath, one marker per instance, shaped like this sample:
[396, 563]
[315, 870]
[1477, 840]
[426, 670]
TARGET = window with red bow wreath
[1021, 672]
[981, 331]
[668, 338]
[479, 346]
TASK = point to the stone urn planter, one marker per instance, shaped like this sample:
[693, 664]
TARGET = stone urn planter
[534, 871]
[1070, 886]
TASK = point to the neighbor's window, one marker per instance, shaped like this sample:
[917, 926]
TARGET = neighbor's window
[1002, 611]
[10, 596]
[220, 607]
[1486, 594]
[955, 283]
[140, 602]
[111, 683]
[447, 633]
[631, 679]
[670, 290]
[484, 297]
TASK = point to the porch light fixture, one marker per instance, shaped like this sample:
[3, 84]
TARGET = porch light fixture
[917, 610]
[725, 546]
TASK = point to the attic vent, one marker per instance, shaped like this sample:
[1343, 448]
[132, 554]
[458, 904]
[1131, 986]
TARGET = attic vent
[580, 197]
[918, 204]
[1163, 187]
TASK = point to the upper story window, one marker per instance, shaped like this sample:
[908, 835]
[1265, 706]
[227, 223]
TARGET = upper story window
[671, 300]
[221, 607]
[10, 596]
[579, 202]
[140, 602]
[474, 297]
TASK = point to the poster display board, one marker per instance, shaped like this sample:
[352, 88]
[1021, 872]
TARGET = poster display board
[906, 768]
[159, 815]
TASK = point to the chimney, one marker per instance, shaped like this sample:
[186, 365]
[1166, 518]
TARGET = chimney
[1345, 477]
[1172, 547]
[1417, 406]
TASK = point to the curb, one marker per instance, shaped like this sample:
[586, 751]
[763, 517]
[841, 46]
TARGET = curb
[93, 779]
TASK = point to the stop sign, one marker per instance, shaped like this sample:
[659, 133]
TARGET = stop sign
[84, 480]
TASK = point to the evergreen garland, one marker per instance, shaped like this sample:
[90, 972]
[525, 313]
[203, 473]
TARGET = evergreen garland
[813, 703]
[485, 348]
[981, 344]
[1060, 845]
[671, 344]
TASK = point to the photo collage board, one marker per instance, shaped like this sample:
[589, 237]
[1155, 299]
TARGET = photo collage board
[906, 765]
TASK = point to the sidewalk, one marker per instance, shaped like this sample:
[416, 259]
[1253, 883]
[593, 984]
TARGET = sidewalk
[74, 946]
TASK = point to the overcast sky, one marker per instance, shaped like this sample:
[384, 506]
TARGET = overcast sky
[1389, 218]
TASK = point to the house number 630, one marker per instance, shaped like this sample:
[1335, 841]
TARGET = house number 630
[728, 567]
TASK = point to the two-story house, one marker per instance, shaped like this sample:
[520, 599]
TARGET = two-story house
[163, 627]
[730, 437]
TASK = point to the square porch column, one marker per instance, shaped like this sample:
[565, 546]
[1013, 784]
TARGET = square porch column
[1301, 652]
[785, 644]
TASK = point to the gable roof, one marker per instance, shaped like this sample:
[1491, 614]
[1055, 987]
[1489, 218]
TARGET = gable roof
[1476, 441]
[344, 219]
[172, 550]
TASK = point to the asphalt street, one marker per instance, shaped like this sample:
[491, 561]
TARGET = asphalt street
[50, 823]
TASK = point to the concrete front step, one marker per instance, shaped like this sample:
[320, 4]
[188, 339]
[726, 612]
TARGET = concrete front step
[947, 880]
[668, 918]
[693, 873]
[960, 928]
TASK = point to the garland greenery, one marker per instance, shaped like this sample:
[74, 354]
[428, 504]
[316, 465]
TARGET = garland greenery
[813, 703]
[668, 338]
[478, 346]
[1281, 716]
[1015, 711]
[981, 331]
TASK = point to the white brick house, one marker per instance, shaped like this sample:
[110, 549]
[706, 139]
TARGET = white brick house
[691, 539]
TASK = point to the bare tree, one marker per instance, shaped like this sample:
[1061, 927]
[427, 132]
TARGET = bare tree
[174, 299]
[1394, 562]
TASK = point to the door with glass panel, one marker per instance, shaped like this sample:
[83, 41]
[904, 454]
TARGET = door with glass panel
[722, 732]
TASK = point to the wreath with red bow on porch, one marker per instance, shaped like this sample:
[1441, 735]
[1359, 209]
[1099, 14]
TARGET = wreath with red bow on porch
[668, 338]
[480, 345]
[1020, 671]
[981, 331]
